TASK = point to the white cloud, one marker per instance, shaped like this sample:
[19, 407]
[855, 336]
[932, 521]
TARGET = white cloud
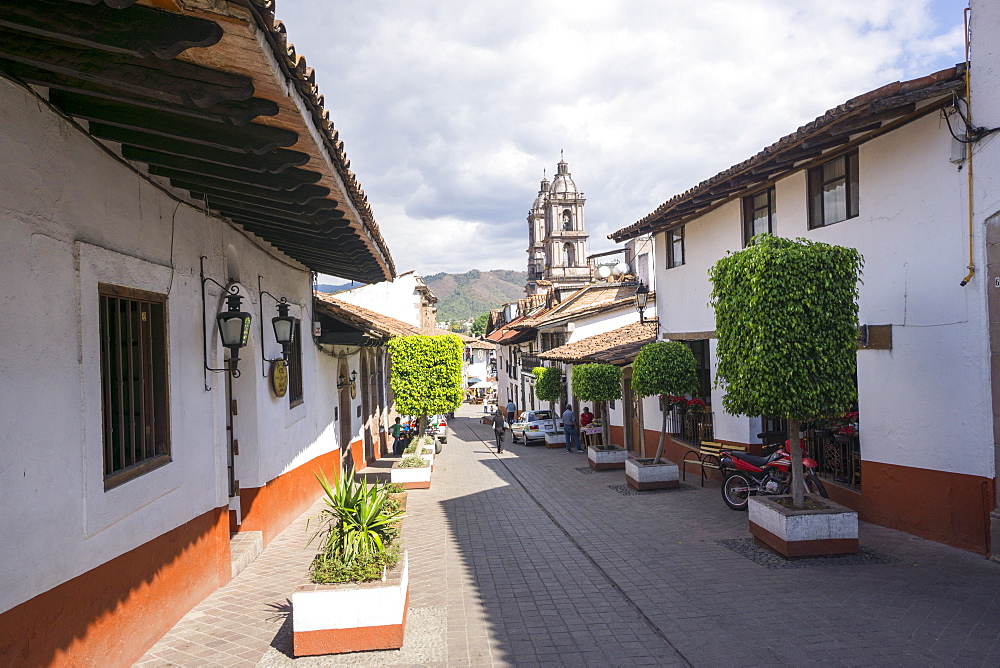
[450, 110]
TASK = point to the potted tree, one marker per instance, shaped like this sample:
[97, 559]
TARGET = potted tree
[786, 318]
[413, 471]
[548, 387]
[356, 595]
[667, 369]
[426, 376]
[600, 384]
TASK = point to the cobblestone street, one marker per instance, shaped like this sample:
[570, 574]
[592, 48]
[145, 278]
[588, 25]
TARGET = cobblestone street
[529, 558]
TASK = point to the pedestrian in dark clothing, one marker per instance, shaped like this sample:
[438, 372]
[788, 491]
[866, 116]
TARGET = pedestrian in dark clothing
[498, 426]
[511, 409]
[570, 430]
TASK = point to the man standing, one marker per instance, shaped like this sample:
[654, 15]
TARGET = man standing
[498, 427]
[397, 433]
[511, 409]
[569, 429]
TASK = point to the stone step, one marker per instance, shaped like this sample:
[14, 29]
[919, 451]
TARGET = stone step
[244, 547]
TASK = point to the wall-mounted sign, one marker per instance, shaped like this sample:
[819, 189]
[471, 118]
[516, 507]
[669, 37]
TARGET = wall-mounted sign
[279, 378]
[354, 389]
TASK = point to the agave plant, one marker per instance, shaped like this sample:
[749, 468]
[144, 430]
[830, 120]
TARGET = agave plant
[358, 521]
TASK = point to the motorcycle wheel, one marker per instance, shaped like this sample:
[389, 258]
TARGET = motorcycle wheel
[737, 500]
[815, 486]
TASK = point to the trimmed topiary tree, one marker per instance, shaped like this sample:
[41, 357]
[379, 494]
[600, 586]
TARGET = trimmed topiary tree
[548, 386]
[664, 368]
[786, 318]
[598, 383]
[426, 374]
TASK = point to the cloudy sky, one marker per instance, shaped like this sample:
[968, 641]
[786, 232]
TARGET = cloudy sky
[450, 110]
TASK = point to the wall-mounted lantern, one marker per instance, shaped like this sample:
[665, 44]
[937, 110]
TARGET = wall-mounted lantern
[234, 326]
[283, 325]
[641, 295]
[342, 382]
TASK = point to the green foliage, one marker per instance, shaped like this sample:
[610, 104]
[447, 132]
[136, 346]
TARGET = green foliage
[413, 461]
[356, 527]
[786, 318]
[548, 382]
[479, 324]
[395, 487]
[464, 296]
[366, 569]
[597, 382]
[427, 373]
[665, 367]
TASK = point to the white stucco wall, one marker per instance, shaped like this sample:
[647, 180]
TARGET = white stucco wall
[604, 322]
[924, 403]
[72, 216]
[397, 298]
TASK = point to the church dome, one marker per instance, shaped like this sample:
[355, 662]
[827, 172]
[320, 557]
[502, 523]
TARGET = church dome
[562, 183]
[543, 194]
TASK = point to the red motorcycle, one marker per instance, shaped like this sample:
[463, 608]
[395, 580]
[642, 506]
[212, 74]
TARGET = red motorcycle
[745, 475]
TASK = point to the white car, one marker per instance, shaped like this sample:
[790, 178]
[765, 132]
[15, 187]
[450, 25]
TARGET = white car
[533, 425]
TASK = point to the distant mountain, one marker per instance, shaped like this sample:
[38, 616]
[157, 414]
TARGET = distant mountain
[330, 289]
[465, 296]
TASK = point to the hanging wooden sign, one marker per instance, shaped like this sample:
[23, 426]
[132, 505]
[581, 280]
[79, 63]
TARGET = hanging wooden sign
[279, 378]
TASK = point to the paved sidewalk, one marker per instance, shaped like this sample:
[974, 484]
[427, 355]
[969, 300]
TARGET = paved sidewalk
[528, 558]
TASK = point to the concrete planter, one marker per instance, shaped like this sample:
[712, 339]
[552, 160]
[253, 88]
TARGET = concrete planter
[642, 474]
[605, 457]
[351, 617]
[555, 440]
[803, 533]
[429, 456]
[411, 478]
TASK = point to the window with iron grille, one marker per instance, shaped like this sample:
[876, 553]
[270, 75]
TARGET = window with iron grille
[675, 247]
[134, 388]
[833, 191]
[704, 370]
[758, 214]
[295, 366]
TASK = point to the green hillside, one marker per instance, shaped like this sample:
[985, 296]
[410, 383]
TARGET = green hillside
[465, 296]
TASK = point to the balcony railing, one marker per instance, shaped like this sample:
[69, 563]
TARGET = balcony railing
[690, 426]
[529, 362]
[838, 456]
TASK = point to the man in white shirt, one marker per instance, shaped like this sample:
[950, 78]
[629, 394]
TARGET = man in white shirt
[570, 429]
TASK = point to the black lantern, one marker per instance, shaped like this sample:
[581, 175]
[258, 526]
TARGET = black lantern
[342, 382]
[284, 328]
[641, 295]
[234, 328]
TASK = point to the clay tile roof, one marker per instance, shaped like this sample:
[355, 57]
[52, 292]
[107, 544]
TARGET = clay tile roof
[362, 317]
[861, 118]
[587, 301]
[508, 335]
[618, 347]
[480, 344]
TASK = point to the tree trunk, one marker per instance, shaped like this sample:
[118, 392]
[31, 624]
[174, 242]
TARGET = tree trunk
[795, 450]
[663, 431]
[421, 425]
[606, 424]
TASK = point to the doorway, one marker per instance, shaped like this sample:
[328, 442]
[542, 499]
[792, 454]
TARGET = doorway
[632, 403]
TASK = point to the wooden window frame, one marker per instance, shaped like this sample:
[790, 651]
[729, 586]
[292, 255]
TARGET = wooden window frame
[672, 236]
[815, 183]
[749, 210]
[147, 446]
[295, 393]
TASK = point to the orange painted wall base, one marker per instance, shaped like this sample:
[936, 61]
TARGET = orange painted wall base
[112, 614]
[271, 508]
[950, 508]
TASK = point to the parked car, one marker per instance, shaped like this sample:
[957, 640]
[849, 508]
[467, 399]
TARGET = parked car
[533, 425]
[437, 426]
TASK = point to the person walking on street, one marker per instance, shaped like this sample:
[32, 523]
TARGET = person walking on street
[498, 426]
[511, 409]
[570, 430]
[397, 434]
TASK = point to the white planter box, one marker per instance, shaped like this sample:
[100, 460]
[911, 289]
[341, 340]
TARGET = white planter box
[429, 456]
[555, 440]
[411, 478]
[337, 618]
[648, 476]
[601, 459]
[803, 533]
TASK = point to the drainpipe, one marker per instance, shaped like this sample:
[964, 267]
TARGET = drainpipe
[968, 103]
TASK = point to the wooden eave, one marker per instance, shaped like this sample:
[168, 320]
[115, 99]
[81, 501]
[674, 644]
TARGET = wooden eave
[855, 122]
[210, 96]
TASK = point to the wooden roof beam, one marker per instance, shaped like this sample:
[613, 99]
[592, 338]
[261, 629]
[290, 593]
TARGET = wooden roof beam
[135, 146]
[137, 31]
[303, 194]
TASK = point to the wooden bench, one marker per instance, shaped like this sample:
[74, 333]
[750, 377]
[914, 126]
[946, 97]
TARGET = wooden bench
[707, 457]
